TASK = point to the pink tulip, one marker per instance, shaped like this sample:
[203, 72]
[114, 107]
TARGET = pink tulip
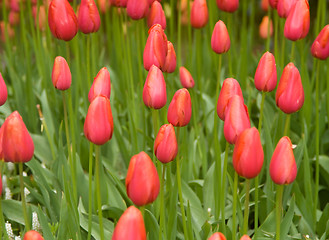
[186, 78]
[3, 91]
[101, 85]
[266, 76]
[88, 17]
[180, 108]
[220, 40]
[320, 47]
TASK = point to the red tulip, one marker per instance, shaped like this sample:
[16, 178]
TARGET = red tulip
[165, 145]
[88, 17]
[217, 236]
[17, 144]
[228, 5]
[186, 78]
[266, 76]
[13, 18]
[199, 13]
[320, 47]
[130, 226]
[230, 88]
[264, 5]
[154, 92]
[3, 91]
[137, 9]
[248, 155]
[263, 28]
[283, 169]
[289, 96]
[5, 28]
[101, 85]
[32, 235]
[245, 237]
[61, 74]
[119, 3]
[180, 110]
[14, 5]
[142, 181]
[274, 3]
[284, 7]
[236, 119]
[170, 63]
[220, 40]
[298, 21]
[156, 15]
[39, 17]
[98, 127]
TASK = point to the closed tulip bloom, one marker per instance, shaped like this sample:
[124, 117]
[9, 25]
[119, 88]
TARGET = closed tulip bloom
[298, 21]
[119, 3]
[283, 169]
[274, 3]
[236, 119]
[62, 21]
[156, 15]
[248, 155]
[264, 5]
[263, 28]
[98, 127]
[228, 5]
[61, 74]
[137, 9]
[101, 85]
[170, 63]
[320, 47]
[14, 5]
[88, 17]
[230, 88]
[180, 108]
[199, 14]
[266, 75]
[220, 40]
[186, 78]
[5, 28]
[165, 145]
[289, 96]
[245, 237]
[17, 144]
[130, 226]
[217, 236]
[104, 5]
[3, 91]
[284, 7]
[32, 235]
[142, 181]
[13, 18]
[154, 92]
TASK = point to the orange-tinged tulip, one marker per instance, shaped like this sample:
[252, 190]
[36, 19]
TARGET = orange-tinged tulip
[283, 169]
[217, 236]
[186, 78]
[156, 15]
[32, 235]
[98, 127]
[3, 91]
[320, 47]
[165, 145]
[88, 17]
[104, 5]
[62, 21]
[61, 74]
[245, 237]
[263, 28]
[274, 3]
[130, 226]
[101, 85]
[13, 18]
[199, 14]
[264, 5]
[17, 144]
[228, 5]
[137, 9]
[5, 28]
[266, 75]
[284, 7]
[248, 154]
[142, 181]
[220, 40]
[289, 96]
[180, 108]
[170, 63]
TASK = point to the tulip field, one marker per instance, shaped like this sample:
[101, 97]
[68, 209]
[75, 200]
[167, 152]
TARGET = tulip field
[164, 120]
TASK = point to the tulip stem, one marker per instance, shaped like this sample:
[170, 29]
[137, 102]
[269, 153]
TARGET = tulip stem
[278, 210]
[224, 187]
[292, 51]
[98, 191]
[179, 30]
[235, 192]
[88, 59]
[287, 125]
[246, 208]
[317, 139]
[268, 40]
[2, 222]
[90, 199]
[229, 28]
[162, 218]
[26, 219]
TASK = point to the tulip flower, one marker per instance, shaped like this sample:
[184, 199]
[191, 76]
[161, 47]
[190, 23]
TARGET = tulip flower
[14, 5]
[98, 127]
[5, 28]
[228, 5]
[289, 96]
[13, 18]
[248, 154]
[283, 169]
[119, 3]
[101, 85]
[61, 74]
[39, 17]
[298, 21]
[217, 236]
[130, 226]
[284, 7]
[62, 21]
[3, 91]
[266, 76]
[170, 63]
[186, 78]
[263, 28]
[142, 181]
[88, 17]
[156, 15]
[32, 235]
[220, 40]
[165, 145]
[156, 48]
[274, 3]
[264, 5]
[320, 47]
[154, 92]
[104, 5]
[245, 237]
[137, 9]
[199, 13]
[180, 108]
[230, 88]
[17, 144]
[236, 119]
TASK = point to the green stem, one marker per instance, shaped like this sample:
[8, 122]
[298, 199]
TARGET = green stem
[268, 40]
[68, 142]
[229, 28]
[292, 51]
[278, 210]
[246, 208]
[90, 199]
[162, 216]
[179, 30]
[224, 187]
[317, 138]
[98, 191]
[142, 209]
[287, 125]
[2, 221]
[26, 219]
[88, 59]
[235, 192]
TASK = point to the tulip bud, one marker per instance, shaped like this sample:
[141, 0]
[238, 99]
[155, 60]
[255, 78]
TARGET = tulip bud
[298, 21]
[186, 78]
[228, 5]
[320, 47]
[236, 119]
[142, 181]
[248, 155]
[170, 63]
[130, 226]
[217, 236]
[283, 169]
[14, 5]
[61, 74]
[156, 48]
[154, 92]
[266, 76]
[39, 17]
[104, 5]
[220, 40]
[274, 3]
[289, 96]
[32, 235]
[88, 17]
[180, 109]
[3, 91]
[284, 7]
[165, 145]
[137, 9]
[263, 28]
[101, 85]
[98, 127]
[13, 18]
[264, 5]
[62, 21]
[5, 28]
[17, 144]
[156, 15]
[199, 14]
[245, 237]
[119, 3]
[230, 88]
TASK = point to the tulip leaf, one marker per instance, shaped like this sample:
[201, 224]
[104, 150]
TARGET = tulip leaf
[287, 220]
